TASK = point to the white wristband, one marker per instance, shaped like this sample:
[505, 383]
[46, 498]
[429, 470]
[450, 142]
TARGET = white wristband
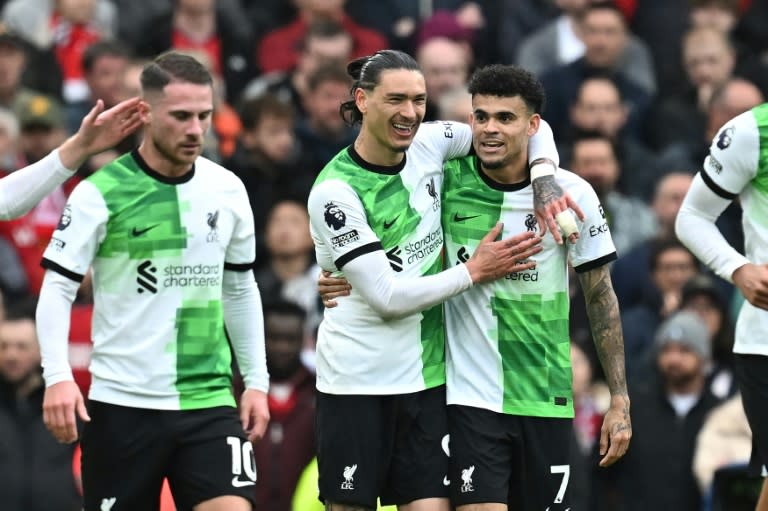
[541, 170]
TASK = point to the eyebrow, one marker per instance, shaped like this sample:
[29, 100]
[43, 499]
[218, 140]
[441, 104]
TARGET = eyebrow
[496, 114]
[400, 95]
[191, 112]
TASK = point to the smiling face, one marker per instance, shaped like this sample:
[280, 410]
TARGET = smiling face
[176, 121]
[501, 127]
[392, 113]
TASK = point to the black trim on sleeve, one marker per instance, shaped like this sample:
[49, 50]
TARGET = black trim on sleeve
[725, 194]
[353, 254]
[238, 266]
[596, 263]
[50, 265]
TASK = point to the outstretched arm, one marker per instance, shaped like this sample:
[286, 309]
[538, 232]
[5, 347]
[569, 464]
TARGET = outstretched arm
[603, 312]
[100, 130]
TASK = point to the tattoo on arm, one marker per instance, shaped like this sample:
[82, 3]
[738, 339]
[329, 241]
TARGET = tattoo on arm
[545, 190]
[605, 322]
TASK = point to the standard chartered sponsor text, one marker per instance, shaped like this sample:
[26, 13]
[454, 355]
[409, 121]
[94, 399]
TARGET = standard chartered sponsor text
[417, 250]
[191, 275]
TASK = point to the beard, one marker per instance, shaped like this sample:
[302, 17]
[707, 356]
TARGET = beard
[283, 371]
[677, 379]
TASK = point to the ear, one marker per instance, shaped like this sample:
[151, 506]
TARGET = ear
[533, 124]
[145, 111]
[361, 99]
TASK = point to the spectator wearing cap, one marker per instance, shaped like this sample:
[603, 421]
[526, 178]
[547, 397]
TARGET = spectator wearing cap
[667, 414]
[42, 129]
[705, 296]
[13, 61]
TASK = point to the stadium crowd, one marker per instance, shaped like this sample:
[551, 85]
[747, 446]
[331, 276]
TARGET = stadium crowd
[635, 92]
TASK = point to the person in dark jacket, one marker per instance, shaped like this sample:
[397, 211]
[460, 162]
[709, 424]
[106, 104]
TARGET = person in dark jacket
[289, 443]
[35, 470]
[667, 414]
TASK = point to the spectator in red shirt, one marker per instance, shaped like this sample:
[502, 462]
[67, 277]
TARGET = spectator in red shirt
[279, 49]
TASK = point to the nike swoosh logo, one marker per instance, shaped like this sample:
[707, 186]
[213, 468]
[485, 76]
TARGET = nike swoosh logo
[237, 483]
[389, 224]
[457, 218]
[138, 232]
[446, 481]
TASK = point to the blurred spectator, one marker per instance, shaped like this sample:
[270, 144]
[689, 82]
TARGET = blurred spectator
[267, 160]
[605, 36]
[325, 43]
[278, 50]
[720, 15]
[591, 399]
[732, 97]
[202, 26]
[36, 470]
[709, 61]
[41, 121]
[630, 220]
[290, 271]
[322, 132]
[631, 272]
[455, 105]
[702, 296]
[104, 64]
[406, 23]
[13, 60]
[672, 265]
[131, 85]
[659, 23]
[725, 440]
[560, 42]
[667, 415]
[66, 26]
[600, 107]
[13, 278]
[519, 19]
[289, 442]
[446, 64]
[48, 22]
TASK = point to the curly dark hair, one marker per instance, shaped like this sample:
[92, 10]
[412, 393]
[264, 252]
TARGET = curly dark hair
[507, 81]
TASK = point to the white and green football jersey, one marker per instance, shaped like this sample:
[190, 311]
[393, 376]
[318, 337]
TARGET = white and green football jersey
[158, 247]
[738, 167]
[508, 340]
[356, 208]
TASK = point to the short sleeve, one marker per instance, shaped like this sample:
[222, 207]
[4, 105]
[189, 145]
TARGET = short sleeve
[339, 225]
[241, 251]
[449, 139]
[594, 247]
[733, 156]
[80, 231]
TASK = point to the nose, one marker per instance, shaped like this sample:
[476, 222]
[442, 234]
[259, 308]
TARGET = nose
[490, 125]
[195, 127]
[408, 110]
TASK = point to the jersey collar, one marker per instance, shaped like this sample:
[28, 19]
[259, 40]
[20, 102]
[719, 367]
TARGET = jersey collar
[177, 180]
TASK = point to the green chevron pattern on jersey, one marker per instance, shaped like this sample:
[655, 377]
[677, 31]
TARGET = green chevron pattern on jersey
[383, 197]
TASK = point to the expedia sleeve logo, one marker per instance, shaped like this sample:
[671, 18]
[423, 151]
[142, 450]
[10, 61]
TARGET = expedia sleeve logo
[335, 218]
